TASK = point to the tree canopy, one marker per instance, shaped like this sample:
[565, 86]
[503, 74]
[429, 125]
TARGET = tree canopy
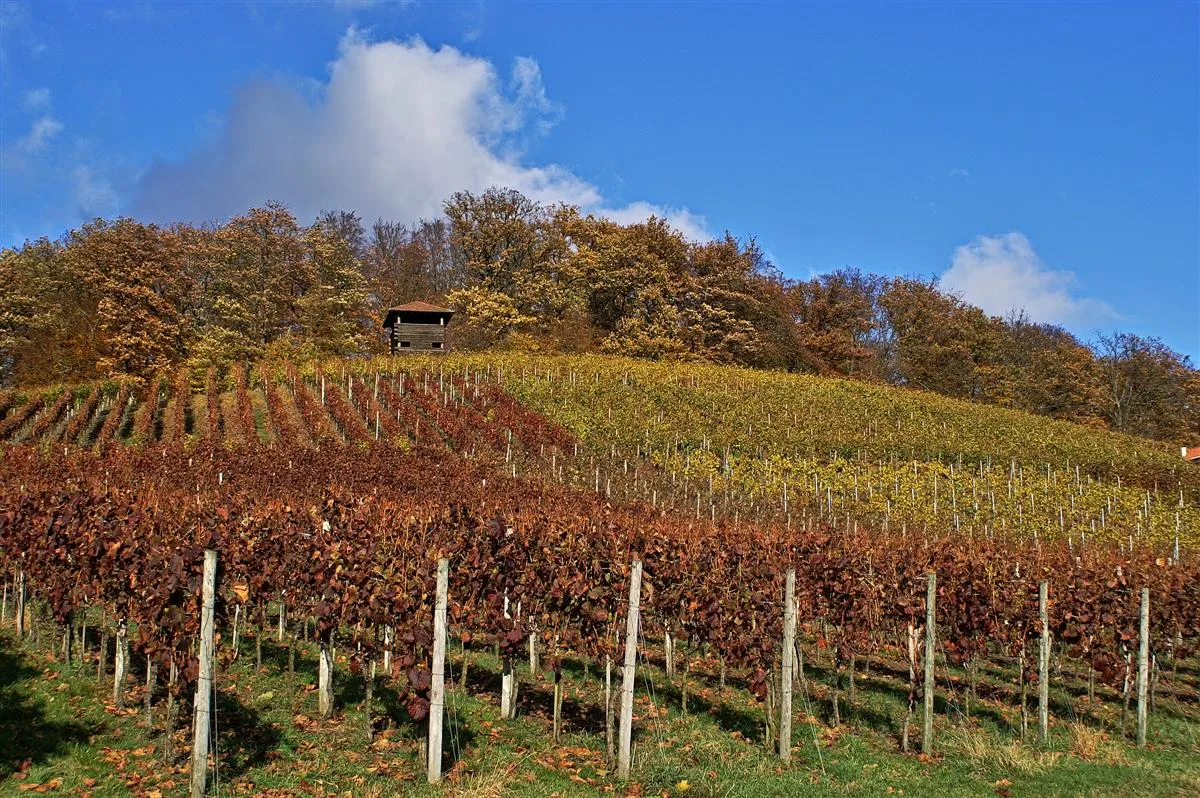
[123, 298]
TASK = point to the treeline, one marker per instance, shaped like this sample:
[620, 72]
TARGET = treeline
[125, 298]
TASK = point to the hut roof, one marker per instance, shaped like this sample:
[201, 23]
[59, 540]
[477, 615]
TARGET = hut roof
[421, 307]
[422, 312]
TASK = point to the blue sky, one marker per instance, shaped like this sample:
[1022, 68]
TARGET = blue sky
[1034, 155]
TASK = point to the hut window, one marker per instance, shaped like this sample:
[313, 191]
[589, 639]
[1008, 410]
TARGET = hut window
[405, 344]
[436, 345]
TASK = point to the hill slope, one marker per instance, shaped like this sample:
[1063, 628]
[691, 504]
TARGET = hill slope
[697, 438]
[327, 491]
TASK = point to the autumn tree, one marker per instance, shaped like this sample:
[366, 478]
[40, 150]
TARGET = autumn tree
[47, 317]
[332, 309]
[106, 301]
[1045, 370]
[255, 270]
[133, 271]
[719, 304]
[636, 274]
[1147, 389]
[347, 227]
[497, 233]
[840, 323]
[939, 343]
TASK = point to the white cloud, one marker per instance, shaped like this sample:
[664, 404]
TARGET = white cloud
[44, 129]
[396, 129]
[93, 192]
[18, 155]
[1004, 273]
[37, 100]
[961, 173]
[693, 226]
[530, 94]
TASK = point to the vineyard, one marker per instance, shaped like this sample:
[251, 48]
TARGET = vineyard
[712, 440]
[330, 493]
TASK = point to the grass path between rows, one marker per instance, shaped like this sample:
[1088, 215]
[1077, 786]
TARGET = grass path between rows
[58, 736]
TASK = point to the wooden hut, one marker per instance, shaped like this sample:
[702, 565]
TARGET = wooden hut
[417, 327]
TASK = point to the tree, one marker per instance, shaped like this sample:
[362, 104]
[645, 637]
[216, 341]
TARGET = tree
[444, 267]
[939, 343]
[719, 301]
[635, 275]
[1045, 370]
[347, 227]
[106, 301]
[47, 317]
[487, 318]
[1147, 389]
[256, 270]
[332, 312]
[498, 235]
[133, 271]
[840, 323]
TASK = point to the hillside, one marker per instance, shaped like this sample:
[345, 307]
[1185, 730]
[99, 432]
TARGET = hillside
[711, 439]
[339, 498]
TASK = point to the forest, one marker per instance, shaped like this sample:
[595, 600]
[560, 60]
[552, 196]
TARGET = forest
[122, 298]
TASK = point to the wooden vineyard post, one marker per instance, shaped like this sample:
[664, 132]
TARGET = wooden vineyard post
[325, 680]
[151, 683]
[627, 680]
[201, 719]
[558, 699]
[237, 614]
[930, 639]
[787, 678]
[68, 632]
[1143, 667]
[609, 746]
[120, 666]
[387, 651]
[21, 604]
[437, 687]
[282, 616]
[508, 681]
[102, 658]
[911, 640]
[1044, 664]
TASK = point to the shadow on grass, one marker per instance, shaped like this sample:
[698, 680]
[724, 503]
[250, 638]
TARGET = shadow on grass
[244, 740]
[27, 733]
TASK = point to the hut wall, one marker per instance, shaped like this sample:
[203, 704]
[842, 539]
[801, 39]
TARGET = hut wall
[420, 337]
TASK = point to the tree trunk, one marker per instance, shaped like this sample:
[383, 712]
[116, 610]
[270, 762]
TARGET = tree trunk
[558, 697]
[68, 631]
[837, 689]
[151, 678]
[102, 659]
[370, 697]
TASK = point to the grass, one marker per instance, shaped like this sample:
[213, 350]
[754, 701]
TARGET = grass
[56, 730]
